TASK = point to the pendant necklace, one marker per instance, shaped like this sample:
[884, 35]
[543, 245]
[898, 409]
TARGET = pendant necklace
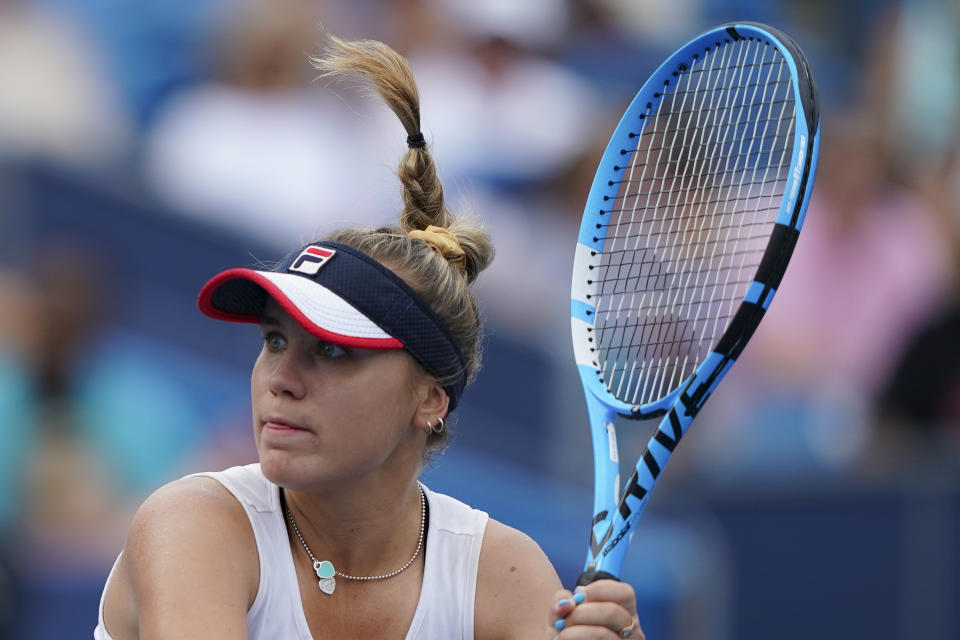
[324, 568]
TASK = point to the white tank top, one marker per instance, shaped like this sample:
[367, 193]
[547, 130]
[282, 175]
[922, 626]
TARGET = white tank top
[447, 594]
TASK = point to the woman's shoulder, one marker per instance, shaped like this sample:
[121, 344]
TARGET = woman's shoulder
[515, 583]
[192, 509]
[506, 548]
[201, 498]
[449, 514]
[189, 513]
[175, 555]
[501, 543]
[184, 526]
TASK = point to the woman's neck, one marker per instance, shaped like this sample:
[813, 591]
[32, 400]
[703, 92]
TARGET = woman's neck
[363, 528]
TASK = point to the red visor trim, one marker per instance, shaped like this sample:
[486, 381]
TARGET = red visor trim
[206, 293]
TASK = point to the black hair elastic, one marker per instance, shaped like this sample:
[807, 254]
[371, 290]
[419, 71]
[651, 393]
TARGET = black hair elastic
[416, 141]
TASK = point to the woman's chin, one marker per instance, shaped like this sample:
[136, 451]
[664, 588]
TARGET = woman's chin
[282, 468]
[292, 471]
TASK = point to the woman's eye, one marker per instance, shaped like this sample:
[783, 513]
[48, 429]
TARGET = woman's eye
[330, 350]
[274, 341]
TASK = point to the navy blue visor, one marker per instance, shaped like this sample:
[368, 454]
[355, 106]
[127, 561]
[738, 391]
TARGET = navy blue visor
[345, 297]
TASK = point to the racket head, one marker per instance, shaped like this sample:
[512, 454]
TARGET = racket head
[687, 230]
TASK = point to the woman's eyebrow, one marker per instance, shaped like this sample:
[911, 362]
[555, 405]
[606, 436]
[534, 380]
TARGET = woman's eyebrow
[271, 320]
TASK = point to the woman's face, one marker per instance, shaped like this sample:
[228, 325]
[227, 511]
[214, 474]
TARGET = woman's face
[323, 413]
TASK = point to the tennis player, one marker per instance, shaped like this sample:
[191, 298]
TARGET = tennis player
[369, 339]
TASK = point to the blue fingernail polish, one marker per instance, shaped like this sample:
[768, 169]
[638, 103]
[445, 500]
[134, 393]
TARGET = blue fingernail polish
[560, 603]
[560, 624]
[580, 597]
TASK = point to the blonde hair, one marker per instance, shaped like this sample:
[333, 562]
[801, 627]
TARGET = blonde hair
[442, 283]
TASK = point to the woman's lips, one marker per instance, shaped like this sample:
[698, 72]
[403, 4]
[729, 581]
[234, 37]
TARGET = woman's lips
[279, 425]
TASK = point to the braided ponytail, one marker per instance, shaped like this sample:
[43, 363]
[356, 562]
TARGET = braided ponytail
[420, 247]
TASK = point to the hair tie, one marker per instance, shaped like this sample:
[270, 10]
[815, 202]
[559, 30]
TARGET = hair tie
[441, 240]
[416, 141]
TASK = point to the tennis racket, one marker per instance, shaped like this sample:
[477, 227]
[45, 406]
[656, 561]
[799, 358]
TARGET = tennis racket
[687, 230]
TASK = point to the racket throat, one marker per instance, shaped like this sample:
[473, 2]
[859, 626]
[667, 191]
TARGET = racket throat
[596, 546]
[592, 574]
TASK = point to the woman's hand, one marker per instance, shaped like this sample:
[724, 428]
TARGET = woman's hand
[606, 609]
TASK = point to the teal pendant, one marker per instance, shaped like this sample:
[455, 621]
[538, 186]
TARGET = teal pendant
[326, 573]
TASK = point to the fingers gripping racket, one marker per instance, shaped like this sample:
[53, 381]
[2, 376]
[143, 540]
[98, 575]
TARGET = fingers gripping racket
[688, 227]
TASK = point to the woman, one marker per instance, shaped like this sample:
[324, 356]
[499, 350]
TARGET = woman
[370, 338]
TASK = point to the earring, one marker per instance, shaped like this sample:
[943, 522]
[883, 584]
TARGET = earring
[436, 429]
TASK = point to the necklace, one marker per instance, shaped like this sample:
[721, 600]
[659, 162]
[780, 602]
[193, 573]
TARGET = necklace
[324, 568]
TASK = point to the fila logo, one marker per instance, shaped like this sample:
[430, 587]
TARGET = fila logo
[311, 259]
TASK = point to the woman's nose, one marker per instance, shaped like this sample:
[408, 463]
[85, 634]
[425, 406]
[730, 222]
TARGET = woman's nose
[287, 377]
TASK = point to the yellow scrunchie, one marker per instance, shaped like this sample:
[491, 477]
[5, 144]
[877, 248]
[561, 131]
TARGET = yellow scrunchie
[441, 240]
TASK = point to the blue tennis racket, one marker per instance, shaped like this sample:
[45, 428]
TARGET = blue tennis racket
[689, 225]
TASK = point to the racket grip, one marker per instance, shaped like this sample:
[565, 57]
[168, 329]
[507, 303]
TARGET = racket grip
[592, 575]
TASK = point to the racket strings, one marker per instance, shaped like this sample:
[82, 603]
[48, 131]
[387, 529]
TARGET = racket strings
[629, 320]
[757, 212]
[691, 218]
[717, 272]
[746, 104]
[703, 311]
[613, 235]
[744, 156]
[787, 101]
[642, 274]
[748, 142]
[661, 328]
[661, 282]
[746, 199]
[735, 66]
[669, 325]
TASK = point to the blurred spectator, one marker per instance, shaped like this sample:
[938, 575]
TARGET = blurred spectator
[870, 267]
[915, 91]
[150, 49]
[922, 396]
[496, 108]
[610, 49]
[924, 390]
[259, 142]
[535, 25]
[664, 24]
[919, 103]
[55, 101]
[88, 431]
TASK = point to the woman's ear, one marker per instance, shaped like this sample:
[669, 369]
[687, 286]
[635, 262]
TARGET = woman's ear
[434, 404]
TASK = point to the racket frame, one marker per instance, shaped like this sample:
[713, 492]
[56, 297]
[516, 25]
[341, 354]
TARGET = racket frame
[615, 515]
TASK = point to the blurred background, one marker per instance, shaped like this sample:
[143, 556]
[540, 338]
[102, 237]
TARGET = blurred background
[145, 146]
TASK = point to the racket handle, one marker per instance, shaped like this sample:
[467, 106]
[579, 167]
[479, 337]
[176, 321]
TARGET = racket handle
[592, 575]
